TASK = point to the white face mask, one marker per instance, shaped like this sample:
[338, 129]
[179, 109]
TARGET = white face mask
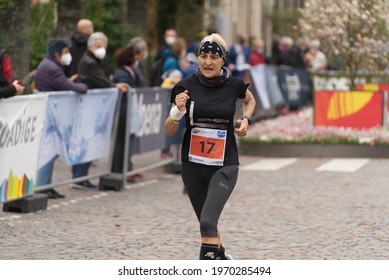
[66, 59]
[170, 40]
[145, 55]
[100, 53]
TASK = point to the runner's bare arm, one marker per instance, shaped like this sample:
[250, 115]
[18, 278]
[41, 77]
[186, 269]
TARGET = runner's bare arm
[248, 110]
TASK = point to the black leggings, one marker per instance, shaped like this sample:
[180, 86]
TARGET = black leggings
[209, 189]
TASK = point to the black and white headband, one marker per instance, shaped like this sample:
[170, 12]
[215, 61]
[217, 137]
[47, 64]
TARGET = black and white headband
[214, 48]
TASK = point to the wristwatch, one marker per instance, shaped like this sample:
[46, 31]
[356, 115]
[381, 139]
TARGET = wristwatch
[248, 119]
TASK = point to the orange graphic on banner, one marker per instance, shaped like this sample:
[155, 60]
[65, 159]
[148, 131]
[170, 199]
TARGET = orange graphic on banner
[343, 105]
[357, 109]
[207, 147]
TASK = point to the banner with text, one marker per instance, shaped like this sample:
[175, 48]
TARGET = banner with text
[341, 81]
[153, 109]
[78, 126]
[21, 126]
[295, 85]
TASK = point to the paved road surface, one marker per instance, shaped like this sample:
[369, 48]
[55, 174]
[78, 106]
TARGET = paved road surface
[306, 208]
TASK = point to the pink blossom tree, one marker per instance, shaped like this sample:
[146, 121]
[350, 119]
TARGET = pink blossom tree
[354, 33]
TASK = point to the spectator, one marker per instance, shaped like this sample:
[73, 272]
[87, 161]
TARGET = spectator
[285, 52]
[164, 52]
[189, 64]
[125, 73]
[315, 59]
[170, 78]
[238, 57]
[91, 72]
[257, 55]
[50, 76]
[141, 54]
[302, 46]
[5, 68]
[178, 51]
[79, 41]
[173, 63]
[170, 37]
[288, 54]
[11, 90]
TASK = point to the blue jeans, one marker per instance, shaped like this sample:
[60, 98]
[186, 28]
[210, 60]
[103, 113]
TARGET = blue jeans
[45, 173]
[81, 169]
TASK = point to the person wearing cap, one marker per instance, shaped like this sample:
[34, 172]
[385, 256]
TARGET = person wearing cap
[209, 153]
[50, 76]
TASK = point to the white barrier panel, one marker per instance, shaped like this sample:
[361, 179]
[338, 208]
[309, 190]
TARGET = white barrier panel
[78, 126]
[21, 126]
[259, 79]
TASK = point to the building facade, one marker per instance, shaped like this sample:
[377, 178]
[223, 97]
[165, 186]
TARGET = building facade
[251, 18]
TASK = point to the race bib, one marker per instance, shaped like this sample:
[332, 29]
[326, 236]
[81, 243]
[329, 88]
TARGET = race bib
[207, 146]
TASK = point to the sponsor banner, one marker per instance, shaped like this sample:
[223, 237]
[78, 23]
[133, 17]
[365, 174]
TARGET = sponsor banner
[153, 109]
[356, 109]
[78, 126]
[21, 125]
[341, 81]
[295, 85]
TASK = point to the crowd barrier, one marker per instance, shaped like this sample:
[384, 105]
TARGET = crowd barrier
[330, 93]
[79, 128]
[280, 86]
[336, 104]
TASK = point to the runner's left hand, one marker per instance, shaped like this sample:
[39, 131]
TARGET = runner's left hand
[241, 127]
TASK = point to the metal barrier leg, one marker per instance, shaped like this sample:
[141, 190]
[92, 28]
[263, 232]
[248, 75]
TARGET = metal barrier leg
[112, 181]
[28, 204]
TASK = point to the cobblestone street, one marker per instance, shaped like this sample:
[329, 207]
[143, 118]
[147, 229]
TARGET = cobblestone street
[280, 209]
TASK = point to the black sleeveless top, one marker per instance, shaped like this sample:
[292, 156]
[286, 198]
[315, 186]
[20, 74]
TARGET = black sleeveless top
[211, 108]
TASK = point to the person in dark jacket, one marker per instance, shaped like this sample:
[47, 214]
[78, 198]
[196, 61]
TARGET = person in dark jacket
[141, 55]
[50, 76]
[11, 90]
[238, 56]
[91, 72]
[170, 37]
[79, 45]
[125, 73]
